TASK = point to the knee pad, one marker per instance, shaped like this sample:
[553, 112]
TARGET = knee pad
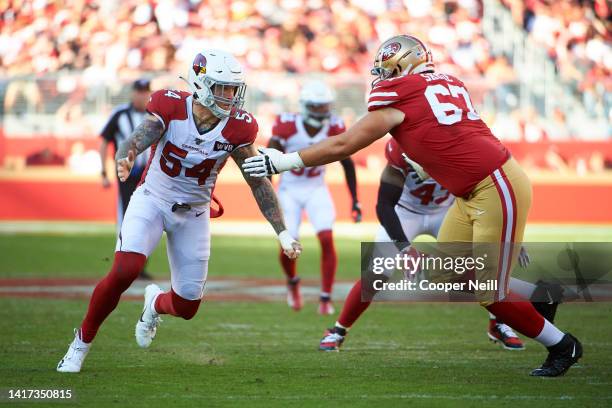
[183, 307]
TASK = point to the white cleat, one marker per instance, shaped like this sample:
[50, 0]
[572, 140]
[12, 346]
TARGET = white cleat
[149, 319]
[73, 360]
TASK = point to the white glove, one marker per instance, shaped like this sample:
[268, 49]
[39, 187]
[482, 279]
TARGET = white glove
[124, 166]
[291, 247]
[524, 259]
[271, 161]
[420, 172]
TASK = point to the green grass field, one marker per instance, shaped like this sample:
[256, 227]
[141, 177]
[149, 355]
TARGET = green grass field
[263, 354]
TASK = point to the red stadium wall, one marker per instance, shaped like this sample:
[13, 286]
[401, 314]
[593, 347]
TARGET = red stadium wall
[56, 198]
[88, 201]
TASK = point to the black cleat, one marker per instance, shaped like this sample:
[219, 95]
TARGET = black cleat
[560, 357]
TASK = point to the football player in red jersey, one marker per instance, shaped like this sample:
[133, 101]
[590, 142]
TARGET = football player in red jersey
[304, 190]
[431, 116]
[408, 206]
[191, 137]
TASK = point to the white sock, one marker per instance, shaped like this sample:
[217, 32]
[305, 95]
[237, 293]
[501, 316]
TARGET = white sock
[550, 335]
[523, 288]
[80, 343]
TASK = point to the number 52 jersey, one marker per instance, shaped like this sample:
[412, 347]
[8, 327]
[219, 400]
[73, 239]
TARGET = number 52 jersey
[184, 164]
[290, 132]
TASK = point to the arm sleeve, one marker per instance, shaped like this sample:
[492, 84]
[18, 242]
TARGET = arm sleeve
[351, 177]
[388, 196]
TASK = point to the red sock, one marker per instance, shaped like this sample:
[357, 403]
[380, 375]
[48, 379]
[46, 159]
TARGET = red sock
[520, 315]
[353, 306]
[172, 304]
[329, 261]
[126, 267]
[289, 265]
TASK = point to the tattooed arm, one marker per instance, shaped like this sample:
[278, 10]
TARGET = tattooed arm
[145, 134]
[262, 191]
[268, 203]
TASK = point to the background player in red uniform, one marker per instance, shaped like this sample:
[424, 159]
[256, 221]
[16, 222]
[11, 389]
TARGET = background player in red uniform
[432, 118]
[304, 190]
[192, 135]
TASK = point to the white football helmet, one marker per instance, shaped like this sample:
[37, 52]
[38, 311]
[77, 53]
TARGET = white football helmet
[315, 102]
[209, 75]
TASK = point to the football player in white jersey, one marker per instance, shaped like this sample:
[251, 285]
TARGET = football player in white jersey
[408, 206]
[191, 136]
[304, 190]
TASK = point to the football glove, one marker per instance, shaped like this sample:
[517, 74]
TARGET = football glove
[291, 247]
[270, 162]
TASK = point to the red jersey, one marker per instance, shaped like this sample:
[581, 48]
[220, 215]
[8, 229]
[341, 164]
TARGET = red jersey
[441, 130]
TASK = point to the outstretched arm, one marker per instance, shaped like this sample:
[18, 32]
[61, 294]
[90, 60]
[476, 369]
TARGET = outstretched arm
[371, 127]
[268, 203]
[368, 129]
[148, 132]
[262, 191]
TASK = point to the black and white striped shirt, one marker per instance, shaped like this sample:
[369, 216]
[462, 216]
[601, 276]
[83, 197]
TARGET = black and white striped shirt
[120, 126]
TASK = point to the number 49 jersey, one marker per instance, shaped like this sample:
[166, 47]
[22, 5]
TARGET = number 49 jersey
[184, 164]
[441, 130]
[289, 131]
[427, 197]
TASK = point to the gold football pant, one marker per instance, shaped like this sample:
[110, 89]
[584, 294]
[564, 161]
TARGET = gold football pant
[493, 218]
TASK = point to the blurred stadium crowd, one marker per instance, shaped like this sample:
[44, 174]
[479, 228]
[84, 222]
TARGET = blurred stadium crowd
[109, 41]
[577, 36]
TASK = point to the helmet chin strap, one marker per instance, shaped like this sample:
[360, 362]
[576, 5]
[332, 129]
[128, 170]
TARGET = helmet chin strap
[197, 93]
[194, 91]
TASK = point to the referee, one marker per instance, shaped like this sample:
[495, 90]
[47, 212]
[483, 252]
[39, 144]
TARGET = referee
[119, 127]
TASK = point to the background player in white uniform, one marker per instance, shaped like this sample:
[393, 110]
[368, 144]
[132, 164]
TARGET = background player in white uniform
[192, 135]
[304, 190]
[409, 206]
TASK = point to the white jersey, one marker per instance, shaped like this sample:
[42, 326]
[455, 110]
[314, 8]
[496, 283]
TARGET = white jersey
[184, 164]
[427, 197]
[289, 130]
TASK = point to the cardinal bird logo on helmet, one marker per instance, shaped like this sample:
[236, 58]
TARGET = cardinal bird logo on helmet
[389, 51]
[199, 64]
